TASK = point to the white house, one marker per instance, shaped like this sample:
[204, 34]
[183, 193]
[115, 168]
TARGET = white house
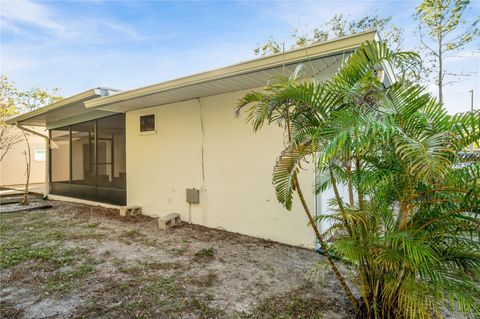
[147, 146]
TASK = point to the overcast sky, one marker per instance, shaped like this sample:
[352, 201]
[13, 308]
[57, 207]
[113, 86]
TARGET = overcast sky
[75, 45]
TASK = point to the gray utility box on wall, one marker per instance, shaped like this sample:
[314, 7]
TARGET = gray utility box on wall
[193, 196]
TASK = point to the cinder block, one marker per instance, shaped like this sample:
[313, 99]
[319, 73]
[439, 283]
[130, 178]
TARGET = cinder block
[130, 211]
[168, 221]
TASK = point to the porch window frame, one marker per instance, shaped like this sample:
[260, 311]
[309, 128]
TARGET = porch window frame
[64, 184]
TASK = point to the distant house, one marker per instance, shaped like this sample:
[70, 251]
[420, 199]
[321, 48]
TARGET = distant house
[147, 146]
[13, 165]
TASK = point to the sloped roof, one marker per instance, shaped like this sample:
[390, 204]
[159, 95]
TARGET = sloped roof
[245, 75]
[63, 109]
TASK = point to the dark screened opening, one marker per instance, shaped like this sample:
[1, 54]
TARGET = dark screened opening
[111, 151]
[60, 154]
[83, 160]
[88, 160]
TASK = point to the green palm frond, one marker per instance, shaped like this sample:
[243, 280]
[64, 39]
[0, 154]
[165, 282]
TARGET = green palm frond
[374, 55]
[285, 172]
[429, 156]
[467, 129]
[410, 222]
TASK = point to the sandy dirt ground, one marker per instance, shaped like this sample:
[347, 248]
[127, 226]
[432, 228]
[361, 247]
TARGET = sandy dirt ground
[78, 261]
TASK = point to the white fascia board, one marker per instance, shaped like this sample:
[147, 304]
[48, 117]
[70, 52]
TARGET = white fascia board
[259, 64]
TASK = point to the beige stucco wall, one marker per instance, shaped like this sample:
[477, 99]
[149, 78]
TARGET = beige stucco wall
[236, 193]
[13, 165]
[236, 176]
[60, 151]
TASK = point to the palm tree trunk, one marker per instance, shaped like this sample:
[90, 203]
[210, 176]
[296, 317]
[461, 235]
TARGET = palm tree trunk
[348, 168]
[313, 223]
[366, 288]
[340, 278]
[359, 189]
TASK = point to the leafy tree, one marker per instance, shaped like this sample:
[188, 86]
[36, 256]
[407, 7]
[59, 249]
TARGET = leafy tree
[337, 26]
[9, 136]
[447, 31]
[14, 101]
[409, 224]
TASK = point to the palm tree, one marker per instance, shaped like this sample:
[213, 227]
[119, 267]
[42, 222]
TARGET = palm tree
[409, 225]
[281, 103]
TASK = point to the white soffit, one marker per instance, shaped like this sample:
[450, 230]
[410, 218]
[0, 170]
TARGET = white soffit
[64, 109]
[230, 84]
[242, 76]
[246, 75]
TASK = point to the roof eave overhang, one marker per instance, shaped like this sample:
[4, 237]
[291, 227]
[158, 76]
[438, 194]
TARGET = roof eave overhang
[101, 100]
[58, 106]
[295, 56]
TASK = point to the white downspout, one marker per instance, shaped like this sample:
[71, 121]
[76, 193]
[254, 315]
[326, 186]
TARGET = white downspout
[46, 189]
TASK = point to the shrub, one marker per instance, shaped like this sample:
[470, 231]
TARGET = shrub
[409, 225]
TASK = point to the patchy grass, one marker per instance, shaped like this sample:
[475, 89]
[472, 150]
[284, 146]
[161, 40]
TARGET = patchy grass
[8, 310]
[64, 281]
[131, 270]
[297, 304]
[208, 280]
[33, 244]
[4, 227]
[93, 225]
[161, 265]
[179, 251]
[85, 235]
[79, 272]
[137, 236]
[205, 254]
[17, 251]
[133, 234]
[152, 296]
[149, 242]
[76, 261]
[203, 309]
